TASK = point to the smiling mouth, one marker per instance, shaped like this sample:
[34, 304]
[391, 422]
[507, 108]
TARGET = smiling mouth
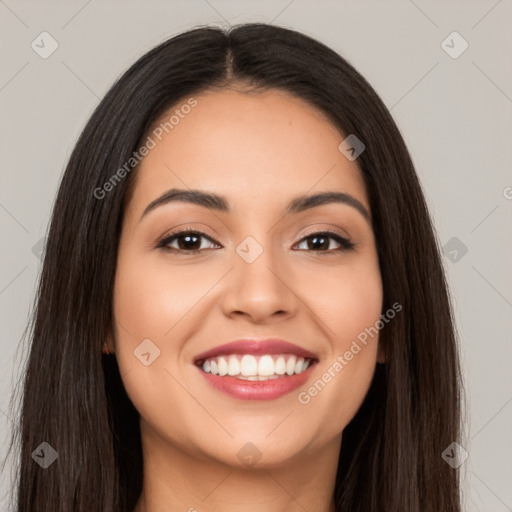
[256, 367]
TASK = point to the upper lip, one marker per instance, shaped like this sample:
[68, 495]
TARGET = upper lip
[256, 347]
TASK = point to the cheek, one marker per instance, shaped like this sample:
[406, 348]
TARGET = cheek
[149, 299]
[349, 304]
[355, 309]
[346, 300]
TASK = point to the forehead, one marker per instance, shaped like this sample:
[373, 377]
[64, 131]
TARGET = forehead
[258, 149]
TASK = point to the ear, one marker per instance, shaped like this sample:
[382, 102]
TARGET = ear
[381, 354]
[108, 344]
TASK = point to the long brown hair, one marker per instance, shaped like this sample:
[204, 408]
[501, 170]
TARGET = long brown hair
[73, 396]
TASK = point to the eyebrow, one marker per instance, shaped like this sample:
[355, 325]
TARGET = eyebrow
[221, 204]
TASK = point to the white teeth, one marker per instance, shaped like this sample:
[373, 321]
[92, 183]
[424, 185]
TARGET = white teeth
[233, 366]
[280, 366]
[290, 365]
[223, 366]
[249, 367]
[266, 366]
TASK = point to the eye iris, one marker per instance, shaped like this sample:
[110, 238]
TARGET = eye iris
[189, 239]
[314, 242]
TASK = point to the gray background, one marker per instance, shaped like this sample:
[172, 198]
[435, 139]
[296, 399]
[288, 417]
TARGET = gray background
[455, 114]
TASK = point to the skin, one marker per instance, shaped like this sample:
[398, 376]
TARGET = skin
[259, 150]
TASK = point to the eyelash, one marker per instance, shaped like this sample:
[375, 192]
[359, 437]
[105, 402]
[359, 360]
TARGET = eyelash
[346, 244]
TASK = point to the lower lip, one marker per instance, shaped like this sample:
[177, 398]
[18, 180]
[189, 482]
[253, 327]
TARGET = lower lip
[257, 390]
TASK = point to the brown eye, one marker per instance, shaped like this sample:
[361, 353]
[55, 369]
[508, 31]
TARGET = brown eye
[187, 241]
[320, 242]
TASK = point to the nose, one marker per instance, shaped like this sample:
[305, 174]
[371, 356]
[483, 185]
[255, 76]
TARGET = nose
[262, 291]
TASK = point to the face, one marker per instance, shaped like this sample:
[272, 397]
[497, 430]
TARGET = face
[246, 268]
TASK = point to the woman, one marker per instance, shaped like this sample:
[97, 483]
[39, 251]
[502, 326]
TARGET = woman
[242, 303]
